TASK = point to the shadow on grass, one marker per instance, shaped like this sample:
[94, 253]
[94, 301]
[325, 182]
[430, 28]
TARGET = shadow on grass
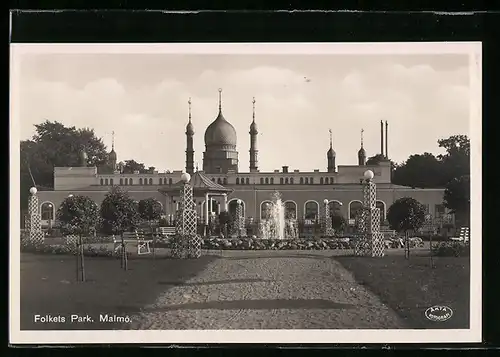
[49, 288]
[411, 286]
[256, 305]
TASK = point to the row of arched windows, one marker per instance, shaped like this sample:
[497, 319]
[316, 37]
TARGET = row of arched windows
[142, 181]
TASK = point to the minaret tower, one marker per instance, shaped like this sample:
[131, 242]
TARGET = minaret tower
[330, 155]
[253, 143]
[189, 143]
[112, 154]
[362, 152]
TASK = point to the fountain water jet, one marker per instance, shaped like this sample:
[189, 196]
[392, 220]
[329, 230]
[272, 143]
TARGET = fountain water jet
[274, 225]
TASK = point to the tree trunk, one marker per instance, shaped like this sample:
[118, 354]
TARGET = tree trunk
[77, 255]
[82, 262]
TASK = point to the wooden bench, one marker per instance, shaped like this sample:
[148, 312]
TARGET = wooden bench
[136, 237]
[166, 231]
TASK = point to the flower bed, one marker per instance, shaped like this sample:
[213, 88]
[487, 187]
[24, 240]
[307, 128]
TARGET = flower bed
[276, 244]
[451, 249]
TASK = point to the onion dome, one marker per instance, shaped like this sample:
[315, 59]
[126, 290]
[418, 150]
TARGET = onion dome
[362, 152]
[112, 155]
[189, 128]
[331, 152]
[220, 131]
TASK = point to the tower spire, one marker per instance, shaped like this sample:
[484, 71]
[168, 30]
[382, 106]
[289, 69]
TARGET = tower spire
[253, 109]
[331, 140]
[113, 140]
[362, 131]
[220, 100]
[189, 106]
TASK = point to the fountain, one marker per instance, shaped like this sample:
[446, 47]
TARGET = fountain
[275, 226]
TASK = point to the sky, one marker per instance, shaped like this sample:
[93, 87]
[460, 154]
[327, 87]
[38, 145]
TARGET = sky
[143, 98]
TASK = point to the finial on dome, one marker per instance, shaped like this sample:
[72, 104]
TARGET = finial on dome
[331, 140]
[113, 140]
[220, 100]
[253, 109]
[189, 106]
[362, 131]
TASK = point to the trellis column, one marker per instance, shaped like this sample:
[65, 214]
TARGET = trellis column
[35, 220]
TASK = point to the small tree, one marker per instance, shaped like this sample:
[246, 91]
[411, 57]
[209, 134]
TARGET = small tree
[225, 220]
[404, 215]
[338, 223]
[119, 214]
[78, 215]
[457, 197]
[150, 210]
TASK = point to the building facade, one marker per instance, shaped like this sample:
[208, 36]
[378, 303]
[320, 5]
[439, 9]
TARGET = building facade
[302, 192]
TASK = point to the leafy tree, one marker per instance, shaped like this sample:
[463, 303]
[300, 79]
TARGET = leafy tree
[119, 212]
[375, 160]
[55, 145]
[420, 170]
[132, 165]
[456, 161]
[406, 214]
[338, 223]
[457, 197]
[149, 210]
[78, 215]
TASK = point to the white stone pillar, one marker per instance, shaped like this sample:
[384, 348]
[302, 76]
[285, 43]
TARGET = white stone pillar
[225, 202]
[206, 208]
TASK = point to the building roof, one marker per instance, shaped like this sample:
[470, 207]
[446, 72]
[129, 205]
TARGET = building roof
[201, 185]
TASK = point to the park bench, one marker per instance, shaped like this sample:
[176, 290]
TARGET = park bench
[136, 237]
[463, 236]
[166, 231]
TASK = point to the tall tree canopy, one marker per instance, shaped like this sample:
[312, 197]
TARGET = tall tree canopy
[457, 197]
[132, 165]
[55, 145]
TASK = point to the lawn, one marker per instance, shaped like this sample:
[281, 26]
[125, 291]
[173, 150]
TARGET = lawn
[49, 287]
[410, 286]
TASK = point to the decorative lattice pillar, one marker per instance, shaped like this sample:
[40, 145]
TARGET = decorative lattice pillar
[239, 221]
[326, 220]
[35, 233]
[370, 240]
[186, 243]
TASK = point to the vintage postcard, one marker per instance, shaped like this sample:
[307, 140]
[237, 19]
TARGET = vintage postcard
[245, 193]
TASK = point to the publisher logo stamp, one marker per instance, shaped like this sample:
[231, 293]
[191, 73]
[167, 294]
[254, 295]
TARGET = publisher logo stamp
[438, 313]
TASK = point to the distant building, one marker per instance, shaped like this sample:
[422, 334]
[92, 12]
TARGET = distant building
[302, 192]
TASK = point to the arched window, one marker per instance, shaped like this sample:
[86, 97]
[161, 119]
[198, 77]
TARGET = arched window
[321, 180]
[290, 210]
[354, 209]
[381, 206]
[286, 181]
[267, 181]
[140, 181]
[291, 180]
[281, 180]
[334, 207]
[224, 181]
[111, 182]
[47, 211]
[311, 180]
[331, 180]
[102, 182]
[150, 181]
[121, 181]
[272, 180]
[169, 181]
[213, 179]
[248, 181]
[219, 181]
[237, 180]
[301, 180]
[105, 182]
[265, 210]
[261, 180]
[311, 210]
[307, 180]
[131, 181]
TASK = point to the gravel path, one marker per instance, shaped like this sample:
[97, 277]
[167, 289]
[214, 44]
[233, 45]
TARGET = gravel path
[268, 290]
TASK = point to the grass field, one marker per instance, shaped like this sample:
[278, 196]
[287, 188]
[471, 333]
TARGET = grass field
[410, 286]
[49, 287]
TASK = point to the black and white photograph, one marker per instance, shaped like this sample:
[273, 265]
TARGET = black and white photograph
[245, 192]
